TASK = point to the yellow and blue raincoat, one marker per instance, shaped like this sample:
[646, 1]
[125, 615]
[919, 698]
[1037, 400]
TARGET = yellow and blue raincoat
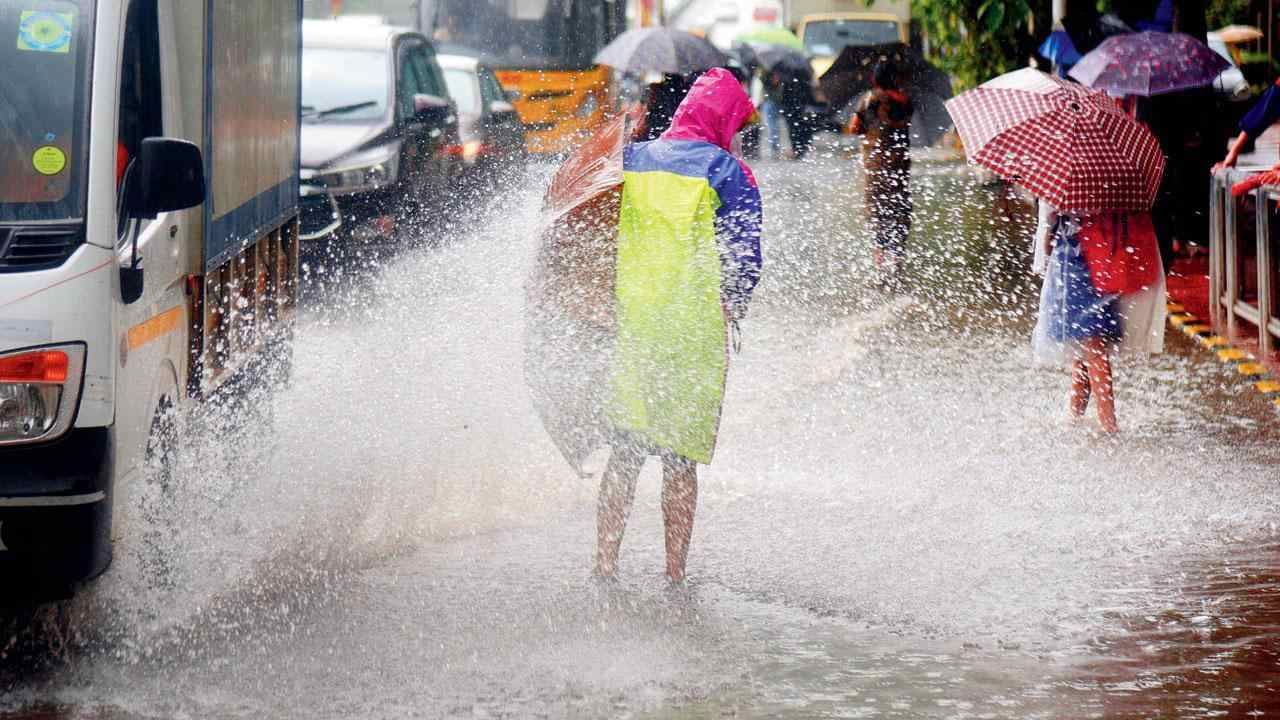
[688, 260]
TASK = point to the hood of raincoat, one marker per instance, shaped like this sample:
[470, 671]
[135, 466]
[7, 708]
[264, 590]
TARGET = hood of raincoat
[715, 109]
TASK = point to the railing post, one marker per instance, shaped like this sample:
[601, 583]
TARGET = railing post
[1265, 341]
[1216, 224]
[1230, 256]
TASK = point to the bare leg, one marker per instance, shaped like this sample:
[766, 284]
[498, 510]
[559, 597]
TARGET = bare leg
[1099, 365]
[1079, 387]
[617, 492]
[679, 502]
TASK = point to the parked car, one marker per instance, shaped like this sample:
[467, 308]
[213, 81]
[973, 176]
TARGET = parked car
[378, 127]
[492, 136]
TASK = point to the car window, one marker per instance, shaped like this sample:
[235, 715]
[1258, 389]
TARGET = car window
[429, 75]
[408, 81]
[464, 89]
[490, 88]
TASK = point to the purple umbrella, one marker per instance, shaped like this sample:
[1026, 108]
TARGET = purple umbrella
[1149, 63]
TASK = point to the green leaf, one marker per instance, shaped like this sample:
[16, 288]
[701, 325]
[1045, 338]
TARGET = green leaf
[995, 16]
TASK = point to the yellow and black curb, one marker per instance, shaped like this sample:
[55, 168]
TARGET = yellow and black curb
[1244, 362]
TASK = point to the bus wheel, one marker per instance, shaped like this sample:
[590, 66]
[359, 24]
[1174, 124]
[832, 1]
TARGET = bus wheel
[159, 495]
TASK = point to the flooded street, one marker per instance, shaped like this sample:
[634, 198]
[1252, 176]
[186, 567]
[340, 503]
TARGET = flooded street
[900, 522]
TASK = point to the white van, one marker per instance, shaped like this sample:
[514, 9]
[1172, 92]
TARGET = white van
[148, 249]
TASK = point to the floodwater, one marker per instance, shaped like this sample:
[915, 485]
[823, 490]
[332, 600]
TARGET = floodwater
[900, 521]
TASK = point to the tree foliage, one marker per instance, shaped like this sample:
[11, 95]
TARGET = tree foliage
[1229, 12]
[976, 40]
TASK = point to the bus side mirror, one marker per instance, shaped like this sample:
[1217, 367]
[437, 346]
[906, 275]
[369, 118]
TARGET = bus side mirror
[132, 283]
[170, 176]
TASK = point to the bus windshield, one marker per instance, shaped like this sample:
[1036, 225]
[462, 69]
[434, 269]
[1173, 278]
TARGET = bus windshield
[43, 108]
[536, 34]
[829, 37]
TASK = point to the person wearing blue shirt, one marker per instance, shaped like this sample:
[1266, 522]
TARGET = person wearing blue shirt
[1261, 116]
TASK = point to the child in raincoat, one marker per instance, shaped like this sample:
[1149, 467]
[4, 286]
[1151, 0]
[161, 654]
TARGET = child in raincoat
[688, 259]
[1103, 291]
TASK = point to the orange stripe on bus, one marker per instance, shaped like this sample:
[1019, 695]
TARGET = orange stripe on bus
[155, 328]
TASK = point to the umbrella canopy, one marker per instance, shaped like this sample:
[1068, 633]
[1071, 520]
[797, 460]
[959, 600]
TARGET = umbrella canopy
[744, 55]
[1149, 63]
[1064, 143]
[660, 50]
[1233, 34]
[766, 35]
[928, 87]
[1059, 49]
[569, 294]
[784, 60]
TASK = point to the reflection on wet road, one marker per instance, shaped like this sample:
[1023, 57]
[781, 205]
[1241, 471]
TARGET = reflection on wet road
[900, 521]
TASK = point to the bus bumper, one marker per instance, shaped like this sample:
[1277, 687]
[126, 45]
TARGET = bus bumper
[55, 515]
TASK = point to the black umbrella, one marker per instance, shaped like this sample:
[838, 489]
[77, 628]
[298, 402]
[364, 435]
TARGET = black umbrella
[927, 86]
[775, 58]
[660, 50]
[1087, 28]
[742, 62]
[744, 55]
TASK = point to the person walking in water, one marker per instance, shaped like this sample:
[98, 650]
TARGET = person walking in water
[884, 117]
[1103, 291]
[688, 259]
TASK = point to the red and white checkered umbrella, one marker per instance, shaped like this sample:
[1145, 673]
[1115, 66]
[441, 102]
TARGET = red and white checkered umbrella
[1069, 145]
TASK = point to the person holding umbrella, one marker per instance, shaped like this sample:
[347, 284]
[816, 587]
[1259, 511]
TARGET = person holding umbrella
[1096, 172]
[788, 85]
[897, 99]
[688, 259]
[1167, 74]
[679, 57]
[884, 117]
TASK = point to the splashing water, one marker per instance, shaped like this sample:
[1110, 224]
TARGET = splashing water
[900, 522]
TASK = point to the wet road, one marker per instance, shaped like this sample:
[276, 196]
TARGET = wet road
[900, 521]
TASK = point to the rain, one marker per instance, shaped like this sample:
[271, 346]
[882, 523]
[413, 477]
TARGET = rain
[901, 519]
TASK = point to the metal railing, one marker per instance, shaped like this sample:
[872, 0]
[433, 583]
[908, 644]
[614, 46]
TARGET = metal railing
[1228, 262]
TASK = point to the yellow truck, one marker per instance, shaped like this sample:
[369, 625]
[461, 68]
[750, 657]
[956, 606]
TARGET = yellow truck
[828, 32]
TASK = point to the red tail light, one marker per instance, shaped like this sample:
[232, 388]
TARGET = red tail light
[42, 367]
[468, 150]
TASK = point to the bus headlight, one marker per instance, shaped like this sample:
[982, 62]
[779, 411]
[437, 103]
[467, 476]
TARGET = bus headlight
[39, 389]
